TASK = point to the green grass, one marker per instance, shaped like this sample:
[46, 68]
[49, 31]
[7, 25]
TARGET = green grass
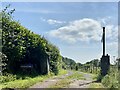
[111, 80]
[65, 82]
[61, 84]
[61, 72]
[77, 76]
[94, 75]
[24, 83]
[96, 85]
[28, 81]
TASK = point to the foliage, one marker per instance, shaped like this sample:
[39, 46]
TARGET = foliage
[3, 63]
[92, 66]
[111, 79]
[96, 85]
[14, 81]
[7, 78]
[55, 58]
[27, 82]
[21, 46]
[68, 63]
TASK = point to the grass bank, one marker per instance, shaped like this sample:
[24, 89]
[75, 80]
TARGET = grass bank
[28, 81]
[96, 85]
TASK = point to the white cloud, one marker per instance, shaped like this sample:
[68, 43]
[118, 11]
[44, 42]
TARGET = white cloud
[84, 30]
[52, 21]
[79, 30]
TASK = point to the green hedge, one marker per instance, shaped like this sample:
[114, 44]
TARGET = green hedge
[22, 46]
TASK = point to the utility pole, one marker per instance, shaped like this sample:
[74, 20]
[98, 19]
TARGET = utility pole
[105, 60]
[103, 38]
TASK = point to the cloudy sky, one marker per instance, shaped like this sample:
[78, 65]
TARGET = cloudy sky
[76, 28]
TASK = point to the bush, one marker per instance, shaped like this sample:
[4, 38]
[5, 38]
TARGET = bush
[21, 46]
[111, 79]
[3, 63]
[109, 82]
[7, 78]
[99, 77]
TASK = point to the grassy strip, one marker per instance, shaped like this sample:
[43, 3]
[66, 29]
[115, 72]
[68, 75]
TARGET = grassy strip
[96, 85]
[61, 84]
[27, 82]
[94, 76]
[77, 76]
[24, 83]
[65, 82]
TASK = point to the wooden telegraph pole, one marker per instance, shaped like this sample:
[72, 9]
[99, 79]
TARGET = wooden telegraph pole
[103, 38]
[105, 60]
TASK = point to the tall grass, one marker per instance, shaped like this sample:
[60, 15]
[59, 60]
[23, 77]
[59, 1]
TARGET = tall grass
[111, 79]
[15, 81]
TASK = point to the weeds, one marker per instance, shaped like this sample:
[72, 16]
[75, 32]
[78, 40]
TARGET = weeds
[26, 81]
[111, 79]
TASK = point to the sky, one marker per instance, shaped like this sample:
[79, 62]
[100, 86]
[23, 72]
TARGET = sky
[74, 27]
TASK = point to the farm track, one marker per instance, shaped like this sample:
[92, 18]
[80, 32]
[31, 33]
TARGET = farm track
[47, 83]
[82, 83]
[74, 82]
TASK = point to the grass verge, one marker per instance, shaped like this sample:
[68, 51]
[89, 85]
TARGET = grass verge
[27, 82]
[96, 85]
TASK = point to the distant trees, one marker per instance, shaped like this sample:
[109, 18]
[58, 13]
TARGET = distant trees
[68, 63]
[92, 66]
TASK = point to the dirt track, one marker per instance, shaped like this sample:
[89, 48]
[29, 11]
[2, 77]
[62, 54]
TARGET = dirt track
[82, 83]
[74, 83]
[51, 81]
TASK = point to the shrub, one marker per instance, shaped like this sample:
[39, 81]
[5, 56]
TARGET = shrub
[7, 78]
[3, 63]
[22, 46]
[111, 79]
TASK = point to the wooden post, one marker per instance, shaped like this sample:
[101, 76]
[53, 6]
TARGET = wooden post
[105, 60]
[103, 38]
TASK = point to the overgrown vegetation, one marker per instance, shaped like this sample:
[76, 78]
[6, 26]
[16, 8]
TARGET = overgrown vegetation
[23, 47]
[111, 80]
[68, 63]
[3, 63]
[96, 85]
[24, 83]
[12, 81]
[92, 66]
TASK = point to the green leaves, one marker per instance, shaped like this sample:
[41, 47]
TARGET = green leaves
[3, 62]
[23, 46]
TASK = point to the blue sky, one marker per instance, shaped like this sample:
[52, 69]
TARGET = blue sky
[76, 28]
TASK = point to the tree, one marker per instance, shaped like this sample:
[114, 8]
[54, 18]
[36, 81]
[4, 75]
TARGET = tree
[21, 46]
